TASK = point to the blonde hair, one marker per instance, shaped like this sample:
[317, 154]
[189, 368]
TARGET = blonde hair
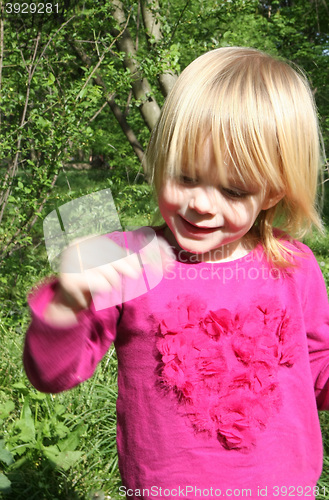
[261, 116]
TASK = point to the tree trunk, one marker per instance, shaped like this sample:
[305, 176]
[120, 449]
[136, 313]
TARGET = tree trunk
[142, 91]
[153, 32]
[127, 130]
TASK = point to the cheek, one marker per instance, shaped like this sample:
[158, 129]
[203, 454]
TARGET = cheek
[242, 215]
[170, 198]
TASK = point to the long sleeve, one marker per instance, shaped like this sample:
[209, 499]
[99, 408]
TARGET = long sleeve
[57, 359]
[316, 314]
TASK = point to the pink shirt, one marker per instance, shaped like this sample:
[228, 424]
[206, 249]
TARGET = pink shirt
[221, 368]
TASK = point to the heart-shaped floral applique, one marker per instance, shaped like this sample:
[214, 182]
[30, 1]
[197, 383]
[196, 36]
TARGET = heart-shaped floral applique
[223, 366]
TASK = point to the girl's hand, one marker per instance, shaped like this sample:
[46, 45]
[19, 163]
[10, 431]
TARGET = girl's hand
[92, 265]
[96, 265]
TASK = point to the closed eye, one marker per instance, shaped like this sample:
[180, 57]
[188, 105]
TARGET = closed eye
[185, 179]
[234, 193]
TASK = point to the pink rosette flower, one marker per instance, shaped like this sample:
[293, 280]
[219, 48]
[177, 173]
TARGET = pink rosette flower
[224, 367]
[218, 323]
[173, 374]
[169, 324]
[245, 348]
[187, 390]
[167, 348]
[233, 428]
[211, 361]
[187, 312]
[195, 309]
[171, 346]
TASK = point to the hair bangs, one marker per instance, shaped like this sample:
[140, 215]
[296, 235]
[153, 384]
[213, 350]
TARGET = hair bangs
[244, 119]
[181, 146]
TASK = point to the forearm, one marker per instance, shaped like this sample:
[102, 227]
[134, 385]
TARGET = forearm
[52, 356]
[62, 346]
[60, 312]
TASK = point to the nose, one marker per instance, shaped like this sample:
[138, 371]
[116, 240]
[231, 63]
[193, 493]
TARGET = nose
[204, 200]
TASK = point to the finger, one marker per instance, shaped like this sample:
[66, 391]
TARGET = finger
[129, 266]
[103, 278]
[72, 294]
[89, 253]
[99, 251]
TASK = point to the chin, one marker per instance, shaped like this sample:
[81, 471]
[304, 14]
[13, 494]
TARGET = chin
[194, 247]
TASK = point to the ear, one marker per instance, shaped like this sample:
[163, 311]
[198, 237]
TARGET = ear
[271, 200]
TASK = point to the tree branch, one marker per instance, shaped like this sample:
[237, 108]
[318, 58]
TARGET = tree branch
[13, 169]
[153, 31]
[127, 130]
[142, 91]
[101, 58]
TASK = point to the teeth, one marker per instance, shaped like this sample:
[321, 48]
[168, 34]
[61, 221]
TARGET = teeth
[202, 227]
[199, 227]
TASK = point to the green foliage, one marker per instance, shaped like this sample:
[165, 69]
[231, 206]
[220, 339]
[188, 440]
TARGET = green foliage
[297, 31]
[33, 438]
[53, 111]
[45, 439]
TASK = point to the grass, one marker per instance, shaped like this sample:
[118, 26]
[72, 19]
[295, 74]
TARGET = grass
[63, 447]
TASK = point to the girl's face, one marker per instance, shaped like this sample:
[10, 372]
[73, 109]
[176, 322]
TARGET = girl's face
[207, 218]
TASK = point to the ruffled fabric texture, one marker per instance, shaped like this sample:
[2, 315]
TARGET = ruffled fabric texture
[223, 366]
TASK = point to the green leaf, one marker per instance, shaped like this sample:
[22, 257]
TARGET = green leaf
[61, 459]
[61, 430]
[68, 458]
[27, 431]
[38, 396]
[6, 408]
[4, 483]
[42, 122]
[73, 440]
[59, 409]
[82, 93]
[21, 387]
[26, 424]
[5, 455]
[51, 79]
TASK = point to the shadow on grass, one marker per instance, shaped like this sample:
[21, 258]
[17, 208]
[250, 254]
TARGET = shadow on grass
[40, 481]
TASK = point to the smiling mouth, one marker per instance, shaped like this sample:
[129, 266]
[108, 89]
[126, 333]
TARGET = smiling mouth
[197, 229]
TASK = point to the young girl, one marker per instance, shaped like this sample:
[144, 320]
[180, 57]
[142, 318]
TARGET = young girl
[223, 365]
